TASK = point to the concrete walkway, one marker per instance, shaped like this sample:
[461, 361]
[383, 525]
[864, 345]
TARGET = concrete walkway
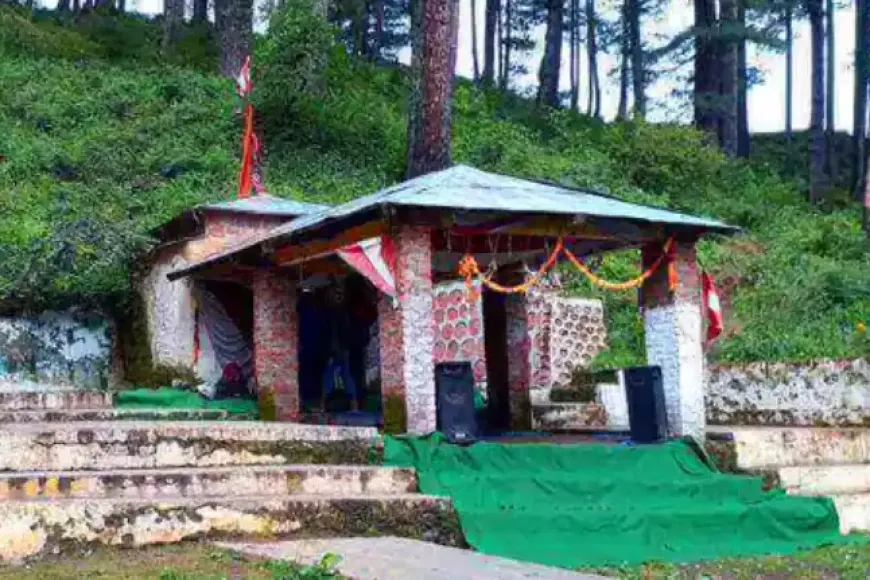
[403, 559]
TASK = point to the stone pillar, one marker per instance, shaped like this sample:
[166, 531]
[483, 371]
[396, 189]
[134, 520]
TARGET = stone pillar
[672, 323]
[519, 346]
[406, 336]
[276, 343]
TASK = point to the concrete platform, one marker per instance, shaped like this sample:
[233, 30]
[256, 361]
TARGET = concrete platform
[404, 559]
[826, 479]
[28, 528]
[161, 444]
[112, 414]
[54, 400]
[760, 448]
[167, 484]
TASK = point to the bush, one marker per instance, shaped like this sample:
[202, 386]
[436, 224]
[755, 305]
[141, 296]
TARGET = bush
[99, 148]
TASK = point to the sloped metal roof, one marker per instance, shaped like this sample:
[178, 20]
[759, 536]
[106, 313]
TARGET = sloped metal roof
[265, 204]
[466, 188]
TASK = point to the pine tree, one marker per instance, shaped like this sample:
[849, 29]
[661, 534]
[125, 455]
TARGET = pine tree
[548, 73]
[818, 182]
[434, 28]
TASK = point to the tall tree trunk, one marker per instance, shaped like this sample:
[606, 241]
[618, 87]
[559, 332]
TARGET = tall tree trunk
[859, 120]
[434, 25]
[122, 5]
[743, 142]
[377, 42]
[706, 63]
[489, 34]
[622, 108]
[499, 32]
[638, 72]
[593, 103]
[200, 11]
[507, 42]
[789, 65]
[173, 20]
[548, 73]
[76, 5]
[474, 58]
[573, 58]
[728, 78]
[63, 5]
[830, 78]
[359, 26]
[817, 110]
[234, 20]
[865, 214]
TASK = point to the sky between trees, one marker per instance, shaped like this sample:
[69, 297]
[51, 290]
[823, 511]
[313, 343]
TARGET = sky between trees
[766, 105]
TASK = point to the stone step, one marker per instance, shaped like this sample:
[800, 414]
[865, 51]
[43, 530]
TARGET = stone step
[159, 444]
[119, 414]
[60, 399]
[825, 479]
[759, 448]
[31, 527]
[854, 512]
[167, 484]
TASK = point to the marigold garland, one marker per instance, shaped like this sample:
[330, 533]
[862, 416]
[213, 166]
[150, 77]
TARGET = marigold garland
[469, 268]
[632, 283]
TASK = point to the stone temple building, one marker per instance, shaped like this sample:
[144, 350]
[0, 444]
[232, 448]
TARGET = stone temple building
[374, 282]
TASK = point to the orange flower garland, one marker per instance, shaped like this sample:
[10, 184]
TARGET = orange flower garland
[469, 268]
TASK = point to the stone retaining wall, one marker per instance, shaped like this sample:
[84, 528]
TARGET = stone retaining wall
[816, 393]
[56, 349]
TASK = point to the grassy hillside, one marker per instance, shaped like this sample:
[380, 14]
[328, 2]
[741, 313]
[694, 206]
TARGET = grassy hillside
[103, 140]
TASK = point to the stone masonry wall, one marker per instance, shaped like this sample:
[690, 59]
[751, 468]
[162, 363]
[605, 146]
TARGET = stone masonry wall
[821, 393]
[458, 324]
[56, 349]
[276, 338]
[169, 305]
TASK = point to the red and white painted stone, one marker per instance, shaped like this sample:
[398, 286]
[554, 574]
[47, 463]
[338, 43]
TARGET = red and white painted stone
[406, 331]
[276, 337]
[458, 327]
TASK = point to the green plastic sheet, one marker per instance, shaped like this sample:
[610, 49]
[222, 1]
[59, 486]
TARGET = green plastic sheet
[169, 398]
[595, 504]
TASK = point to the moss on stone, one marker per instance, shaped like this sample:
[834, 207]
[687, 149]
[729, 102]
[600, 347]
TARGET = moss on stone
[429, 520]
[395, 414]
[266, 405]
[724, 455]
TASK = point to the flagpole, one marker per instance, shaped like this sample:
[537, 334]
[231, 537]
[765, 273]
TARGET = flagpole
[244, 189]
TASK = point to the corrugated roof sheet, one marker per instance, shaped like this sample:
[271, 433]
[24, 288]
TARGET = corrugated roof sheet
[463, 187]
[265, 204]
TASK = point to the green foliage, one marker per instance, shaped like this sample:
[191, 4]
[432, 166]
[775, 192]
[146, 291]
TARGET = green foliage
[324, 569]
[291, 58]
[103, 143]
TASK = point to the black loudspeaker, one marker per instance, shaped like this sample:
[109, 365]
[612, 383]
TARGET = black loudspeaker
[647, 415]
[454, 385]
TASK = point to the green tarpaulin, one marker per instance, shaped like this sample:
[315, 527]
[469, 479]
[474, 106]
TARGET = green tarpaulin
[597, 504]
[169, 398]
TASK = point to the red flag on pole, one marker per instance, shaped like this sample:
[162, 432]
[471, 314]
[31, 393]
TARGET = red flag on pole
[712, 307]
[249, 172]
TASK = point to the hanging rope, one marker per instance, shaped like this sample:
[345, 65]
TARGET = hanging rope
[634, 282]
[469, 268]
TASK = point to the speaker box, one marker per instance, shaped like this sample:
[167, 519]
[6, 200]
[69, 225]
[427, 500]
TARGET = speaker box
[647, 415]
[454, 385]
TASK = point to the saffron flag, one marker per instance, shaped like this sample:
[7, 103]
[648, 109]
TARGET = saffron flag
[712, 307]
[374, 258]
[249, 172]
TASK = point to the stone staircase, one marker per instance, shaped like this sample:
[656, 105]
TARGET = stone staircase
[807, 461]
[73, 472]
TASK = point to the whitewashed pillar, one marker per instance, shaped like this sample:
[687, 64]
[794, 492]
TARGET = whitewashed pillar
[673, 327]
